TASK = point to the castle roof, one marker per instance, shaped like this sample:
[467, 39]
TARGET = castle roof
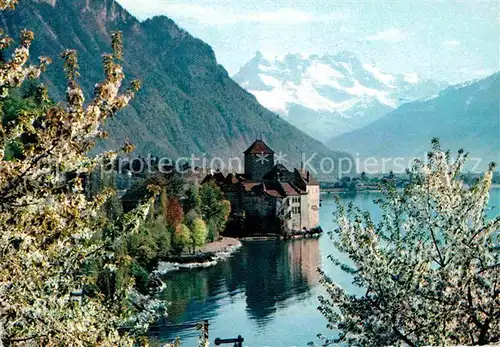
[255, 187]
[259, 147]
[290, 190]
[272, 188]
[278, 172]
[304, 178]
[219, 177]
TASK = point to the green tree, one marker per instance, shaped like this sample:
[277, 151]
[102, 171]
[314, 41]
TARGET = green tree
[212, 231]
[429, 269]
[210, 198]
[214, 209]
[192, 199]
[199, 233]
[182, 236]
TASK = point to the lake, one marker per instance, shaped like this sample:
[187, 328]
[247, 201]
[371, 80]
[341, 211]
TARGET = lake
[267, 292]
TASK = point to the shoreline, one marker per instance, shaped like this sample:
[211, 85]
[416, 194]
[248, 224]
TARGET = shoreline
[209, 255]
[298, 235]
[342, 192]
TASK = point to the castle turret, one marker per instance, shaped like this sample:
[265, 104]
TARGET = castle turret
[259, 160]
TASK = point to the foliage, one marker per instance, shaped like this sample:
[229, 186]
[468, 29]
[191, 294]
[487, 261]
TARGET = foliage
[142, 246]
[429, 269]
[50, 230]
[214, 209]
[163, 238]
[210, 195]
[169, 185]
[141, 253]
[212, 231]
[7, 4]
[173, 213]
[20, 100]
[141, 277]
[199, 232]
[182, 236]
[192, 199]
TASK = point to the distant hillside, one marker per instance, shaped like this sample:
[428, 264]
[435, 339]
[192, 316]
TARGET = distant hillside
[329, 95]
[188, 103]
[464, 116]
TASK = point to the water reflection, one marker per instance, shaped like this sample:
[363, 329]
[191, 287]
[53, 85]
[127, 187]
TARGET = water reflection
[267, 274]
[276, 271]
[268, 291]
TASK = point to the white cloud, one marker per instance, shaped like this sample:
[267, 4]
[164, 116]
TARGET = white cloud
[451, 43]
[389, 35]
[222, 16]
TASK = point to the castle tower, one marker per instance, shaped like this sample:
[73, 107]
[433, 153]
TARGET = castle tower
[259, 160]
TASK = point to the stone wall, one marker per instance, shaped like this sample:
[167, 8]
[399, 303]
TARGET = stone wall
[261, 214]
[259, 205]
[257, 166]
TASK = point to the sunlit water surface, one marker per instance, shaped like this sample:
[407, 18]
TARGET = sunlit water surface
[268, 291]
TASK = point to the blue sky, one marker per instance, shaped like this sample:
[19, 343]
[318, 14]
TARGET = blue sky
[449, 41]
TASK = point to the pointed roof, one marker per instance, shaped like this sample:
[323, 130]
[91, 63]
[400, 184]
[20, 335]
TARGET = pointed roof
[304, 178]
[259, 147]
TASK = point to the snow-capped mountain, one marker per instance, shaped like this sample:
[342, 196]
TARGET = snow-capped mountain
[461, 116]
[329, 95]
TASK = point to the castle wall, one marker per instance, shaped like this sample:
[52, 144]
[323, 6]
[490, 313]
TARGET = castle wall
[233, 195]
[296, 212]
[261, 213]
[257, 166]
[259, 206]
[313, 196]
[304, 212]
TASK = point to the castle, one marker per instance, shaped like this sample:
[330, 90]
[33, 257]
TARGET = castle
[269, 195]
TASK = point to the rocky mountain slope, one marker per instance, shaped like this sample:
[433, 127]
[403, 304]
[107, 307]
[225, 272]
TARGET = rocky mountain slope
[188, 103]
[329, 95]
[463, 116]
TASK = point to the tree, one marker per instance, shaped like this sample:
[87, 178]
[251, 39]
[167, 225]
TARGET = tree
[8, 4]
[192, 200]
[49, 229]
[429, 270]
[173, 213]
[214, 209]
[182, 236]
[210, 196]
[199, 233]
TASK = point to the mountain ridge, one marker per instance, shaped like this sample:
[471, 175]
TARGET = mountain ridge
[188, 103]
[464, 116]
[330, 94]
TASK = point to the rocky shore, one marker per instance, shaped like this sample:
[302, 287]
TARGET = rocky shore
[209, 255]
